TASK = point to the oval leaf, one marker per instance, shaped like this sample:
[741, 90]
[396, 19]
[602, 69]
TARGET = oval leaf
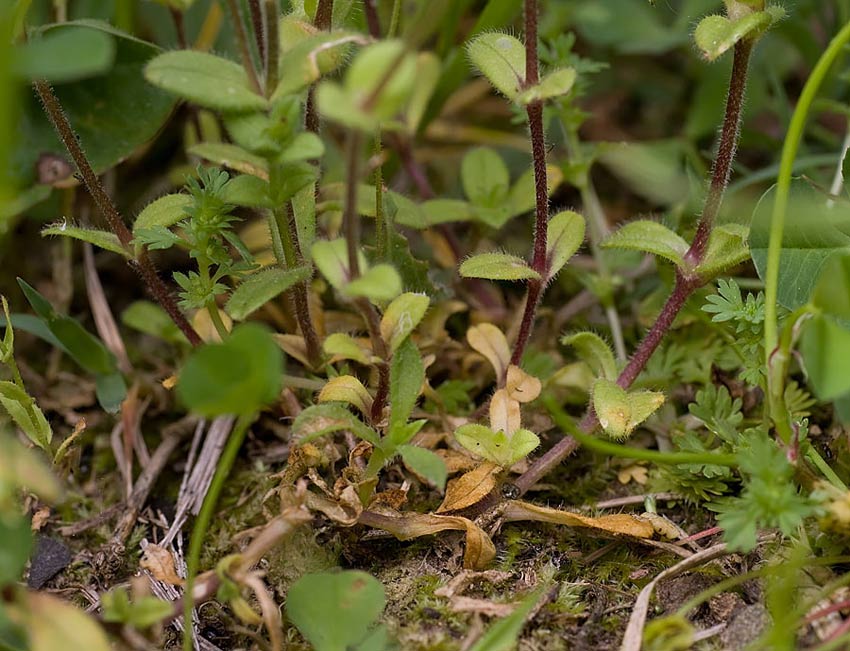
[500, 58]
[497, 266]
[565, 233]
[259, 288]
[649, 237]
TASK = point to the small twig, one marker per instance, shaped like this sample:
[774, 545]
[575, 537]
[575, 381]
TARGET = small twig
[244, 50]
[142, 263]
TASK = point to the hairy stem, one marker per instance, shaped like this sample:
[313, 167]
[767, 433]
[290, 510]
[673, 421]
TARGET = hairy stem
[142, 263]
[685, 284]
[257, 24]
[242, 41]
[372, 21]
[272, 46]
[541, 190]
[324, 14]
[350, 218]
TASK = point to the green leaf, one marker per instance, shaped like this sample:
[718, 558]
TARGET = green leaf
[142, 612]
[320, 420]
[331, 258]
[485, 177]
[555, 84]
[259, 288]
[304, 146]
[595, 352]
[498, 447]
[500, 58]
[205, 79]
[727, 247]
[497, 266]
[347, 389]
[248, 190]
[401, 318]
[64, 55]
[103, 239]
[54, 624]
[111, 389]
[650, 237]
[26, 414]
[654, 170]
[504, 634]
[564, 236]
[716, 34]
[832, 292]
[339, 346]
[813, 233]
[619, 411]
[17, 541]
[522, 194]
[151, 319]
[240, 376]
[165, 211]
[426, 463]
[311, 57]
[334, 611]
[379, 284]
[407, 374]
[442, 211]
[232, 157]
[428, 71]
[825, 346]
[127, 113]
[23, 467]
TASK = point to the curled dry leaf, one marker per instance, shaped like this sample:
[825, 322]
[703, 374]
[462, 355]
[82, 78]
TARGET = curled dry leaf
[345, 510]
[470, 488]
[456, 461]
[521, 386]
[622, 524]
[160, 563]
[488, 340]
[480, 550]
[504, 413]
[663, 526]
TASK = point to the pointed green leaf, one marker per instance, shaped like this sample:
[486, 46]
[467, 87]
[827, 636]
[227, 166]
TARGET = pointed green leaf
[497, 447]
[26, 414]
[485, 177]
[428, 71]
[102, 239]
[379, 284]
[339, 346]
[232, 157]
[522, 197]
[716, 34]
[727, 247]
[261, 287]
[401, 317]
[248, 190]
[650, 237]
[595, 352]
[555, 84]
[314, 55]
[331, 257]
[619, 411]
[205, 79]
[825, 346]
[407, 374]
[424, 462]
[165, 211]
[334, 611]
[497, 266]
[500, 58]
[151, 319]
[320, 420]
[564, 236]
[347, 389]
[504, 634]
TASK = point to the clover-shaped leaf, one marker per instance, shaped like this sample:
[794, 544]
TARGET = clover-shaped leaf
[497, 447]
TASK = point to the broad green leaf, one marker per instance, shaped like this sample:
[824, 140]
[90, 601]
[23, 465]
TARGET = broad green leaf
[595, 352]
[165, 211]
[334, 611]
[151, 319]
[129, 111]
[727, 247]
[240, 376]
[500, 58]
[825, 346]
[555, 84]
[111, 389]
[716, 34]
[53, 624]
[485, 177]
[650, 237]
[15, 551]
[442, 211]
[26, 414]
[320, 420]
[289, 179]
[619, 411]
[304, 146]
[497, 266]
[232, 157]
[498, 447]
[259, 288]
[379, 284]
[424, 462]
[347, 389]
[832, 292]
[564, 236]
[331, 257]
[23, 467]
[248, 190]
[314, 55]
[103, 239]
[401, 317]
[814, 232]
[62, 55]
[504, 634]
[339, 346]
[205, 79]
[407, 374]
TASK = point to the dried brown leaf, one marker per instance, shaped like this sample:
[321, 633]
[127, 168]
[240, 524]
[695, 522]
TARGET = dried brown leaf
[504, 413]
[622, 524]
[159, 562]
[488, 340]
[470, 488]
[521, 386]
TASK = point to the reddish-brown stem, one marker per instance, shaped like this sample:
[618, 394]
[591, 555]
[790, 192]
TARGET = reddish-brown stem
[242, 41]
[685, 284]
[373, 23]
[541, 190]
[257, 23]
[324, 14]
[324, 19]
[142, 264]
[726, 148]
[180, 28]
[272, 46]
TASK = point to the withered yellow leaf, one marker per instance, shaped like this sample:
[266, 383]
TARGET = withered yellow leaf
[470, 488]
[521, 386]
[488, 340]
[504, 413]
[159, 562]
[622, 524]
[348, 389]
